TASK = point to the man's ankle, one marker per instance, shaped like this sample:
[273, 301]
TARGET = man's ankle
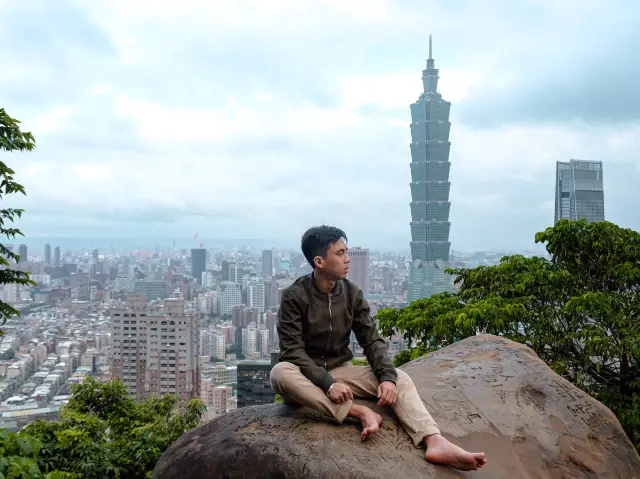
[430, 437]
[356, 411]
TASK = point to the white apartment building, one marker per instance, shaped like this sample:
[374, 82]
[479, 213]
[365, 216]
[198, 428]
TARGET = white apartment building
[208, 280]
[255, 294]
[156, 347]
[250, 341]
[230, 295]
[263, 343]
[212, 344]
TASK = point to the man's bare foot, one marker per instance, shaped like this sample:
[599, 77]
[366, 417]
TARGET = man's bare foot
[370, 420]
[441, 451]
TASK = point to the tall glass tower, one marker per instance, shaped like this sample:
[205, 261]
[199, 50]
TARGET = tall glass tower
[429, 188]
[579, 191]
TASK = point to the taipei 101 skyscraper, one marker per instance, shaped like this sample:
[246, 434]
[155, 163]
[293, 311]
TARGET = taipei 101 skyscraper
[430, 187]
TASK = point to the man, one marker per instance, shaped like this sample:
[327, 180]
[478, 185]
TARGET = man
[316, 317]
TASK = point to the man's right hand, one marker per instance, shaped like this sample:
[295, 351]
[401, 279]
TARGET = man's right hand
[340, 393]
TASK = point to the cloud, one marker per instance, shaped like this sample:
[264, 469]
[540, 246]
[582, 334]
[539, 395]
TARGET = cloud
[579, 68]
[252, 119]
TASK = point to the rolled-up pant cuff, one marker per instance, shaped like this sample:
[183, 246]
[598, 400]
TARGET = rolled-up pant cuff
[342, 411]
[419, 436]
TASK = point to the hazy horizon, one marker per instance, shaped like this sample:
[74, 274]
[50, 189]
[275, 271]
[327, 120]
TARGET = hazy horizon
[259, 119]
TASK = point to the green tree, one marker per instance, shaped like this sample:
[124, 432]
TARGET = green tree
[579, 311]
[104, 433]
[11, 139]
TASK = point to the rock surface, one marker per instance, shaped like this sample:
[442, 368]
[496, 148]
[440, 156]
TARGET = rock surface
[486, 393]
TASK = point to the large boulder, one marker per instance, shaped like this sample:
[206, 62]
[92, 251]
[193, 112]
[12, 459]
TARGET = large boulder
[486, 393]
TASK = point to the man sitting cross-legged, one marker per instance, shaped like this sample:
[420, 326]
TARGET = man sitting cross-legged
[316, 317]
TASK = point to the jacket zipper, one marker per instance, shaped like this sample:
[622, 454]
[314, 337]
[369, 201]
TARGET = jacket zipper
[330, 330]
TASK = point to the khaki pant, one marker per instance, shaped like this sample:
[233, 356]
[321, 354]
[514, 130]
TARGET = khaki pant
[287, 380]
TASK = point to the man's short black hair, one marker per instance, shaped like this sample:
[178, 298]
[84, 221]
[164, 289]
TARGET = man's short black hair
[316, 241]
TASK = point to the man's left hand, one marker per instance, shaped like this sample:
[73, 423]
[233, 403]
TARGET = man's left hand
[387, 393]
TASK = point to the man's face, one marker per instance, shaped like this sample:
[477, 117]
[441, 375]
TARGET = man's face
[336, 265]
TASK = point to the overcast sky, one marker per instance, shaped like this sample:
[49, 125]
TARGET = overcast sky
[257, 119]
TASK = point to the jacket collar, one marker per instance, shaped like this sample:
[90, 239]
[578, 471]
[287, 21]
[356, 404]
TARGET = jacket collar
[337, 288]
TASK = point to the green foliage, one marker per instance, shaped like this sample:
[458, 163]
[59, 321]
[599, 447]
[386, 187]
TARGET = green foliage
[11, 139]
[277, 399]
[580, 311]
[104, 433]
[18, 456]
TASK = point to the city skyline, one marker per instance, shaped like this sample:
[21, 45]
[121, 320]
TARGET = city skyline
[248, 136]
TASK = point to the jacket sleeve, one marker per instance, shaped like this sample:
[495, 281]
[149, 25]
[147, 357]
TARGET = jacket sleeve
[369, 339]
[291, 344]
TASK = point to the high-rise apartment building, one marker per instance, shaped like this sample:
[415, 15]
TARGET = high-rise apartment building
[263, 342]
[226, 329]
[230, 295]
[359, 268]
[47, 254]
[267, 263]
[155, 348]
[250, 341]
[271, 294]
[213, 344]
[579, 191]
[237, 273]
[255, 294]
[242, 316]
[270, 319]
[430, 187]
[198, 263]
[57, 260]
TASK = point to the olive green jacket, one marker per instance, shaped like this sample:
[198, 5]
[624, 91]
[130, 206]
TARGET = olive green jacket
[314, 330]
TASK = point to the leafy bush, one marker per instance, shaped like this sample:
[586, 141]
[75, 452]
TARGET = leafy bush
[579, 311]
[104, 433]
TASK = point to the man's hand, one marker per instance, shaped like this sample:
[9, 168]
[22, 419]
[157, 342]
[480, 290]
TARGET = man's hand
[387, 393]
[340, 393]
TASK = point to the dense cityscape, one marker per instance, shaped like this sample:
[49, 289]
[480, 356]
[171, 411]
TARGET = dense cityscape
[201, 322]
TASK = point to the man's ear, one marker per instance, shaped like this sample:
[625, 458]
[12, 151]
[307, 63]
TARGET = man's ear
[318, 261]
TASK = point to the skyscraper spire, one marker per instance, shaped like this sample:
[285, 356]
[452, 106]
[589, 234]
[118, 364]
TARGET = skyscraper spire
[430, 74]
